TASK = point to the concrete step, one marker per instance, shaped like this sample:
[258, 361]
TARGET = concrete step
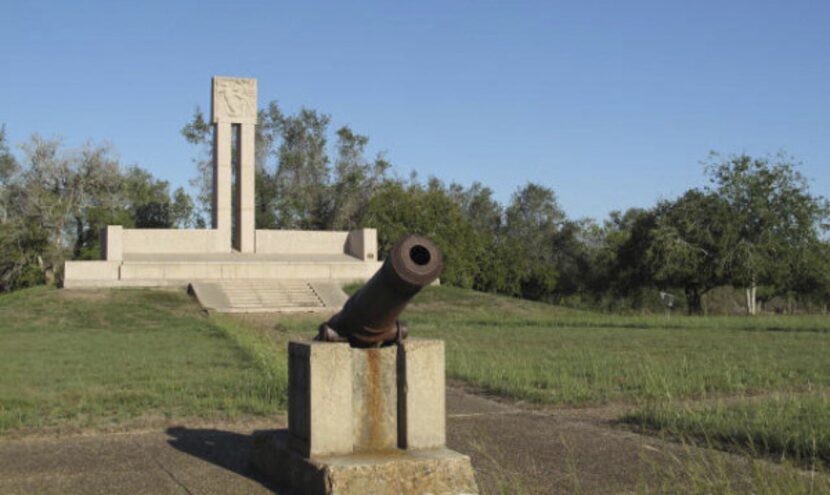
[250, 296]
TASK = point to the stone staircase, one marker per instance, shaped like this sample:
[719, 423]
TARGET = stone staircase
[260, 296]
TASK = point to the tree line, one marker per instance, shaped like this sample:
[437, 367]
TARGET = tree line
[756, 227]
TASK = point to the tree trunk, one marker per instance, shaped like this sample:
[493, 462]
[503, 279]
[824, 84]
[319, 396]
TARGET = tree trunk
[751, 299]
[754, 299]
[693, 301]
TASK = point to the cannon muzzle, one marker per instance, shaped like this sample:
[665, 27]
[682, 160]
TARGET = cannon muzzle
[370, 317]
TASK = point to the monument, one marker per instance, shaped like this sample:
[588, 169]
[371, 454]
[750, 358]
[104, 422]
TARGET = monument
[233, 266]
[366, 406]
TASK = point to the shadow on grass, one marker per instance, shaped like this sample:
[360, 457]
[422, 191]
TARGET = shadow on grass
[226, 449]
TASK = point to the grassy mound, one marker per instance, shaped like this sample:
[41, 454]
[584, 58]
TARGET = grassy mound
[91, 358]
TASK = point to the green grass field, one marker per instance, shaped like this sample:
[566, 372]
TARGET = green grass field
[103, 357]
[787, 428]
[542, 354]
[546, 354]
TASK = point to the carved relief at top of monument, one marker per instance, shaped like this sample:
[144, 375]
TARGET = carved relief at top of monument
[234, 100]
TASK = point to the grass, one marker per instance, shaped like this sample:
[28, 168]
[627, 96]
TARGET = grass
[552, 355]
[95, 358]
[84, 357]
[701, 472]
[548, 354]
[792, 429]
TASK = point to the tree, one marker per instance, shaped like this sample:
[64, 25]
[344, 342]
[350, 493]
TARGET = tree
[268, 135]
[479, 205]
[100, 201]
[398, 209]
[571, 257]
[355, 180]
[147, 199]
[806, 273]
[773, 216]
[199, 132]
[821, 271]
[182, 210]
[50, 199]
[303, 172]
[687, 245]
[621, 263]
[57, 200]
[8, 168]
[532, 220]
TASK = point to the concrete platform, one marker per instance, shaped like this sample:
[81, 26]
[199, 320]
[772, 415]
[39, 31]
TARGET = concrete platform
[239, 258]
[181, 269]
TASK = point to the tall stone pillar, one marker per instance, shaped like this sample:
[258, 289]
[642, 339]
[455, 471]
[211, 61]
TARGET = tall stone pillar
[246, 188]
[234, 110]
[222, 181]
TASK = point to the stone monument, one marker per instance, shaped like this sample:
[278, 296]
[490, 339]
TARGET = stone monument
[233, 265]
[366, 407]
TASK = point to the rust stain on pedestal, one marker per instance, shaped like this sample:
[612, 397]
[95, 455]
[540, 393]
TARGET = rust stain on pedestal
[375, 400]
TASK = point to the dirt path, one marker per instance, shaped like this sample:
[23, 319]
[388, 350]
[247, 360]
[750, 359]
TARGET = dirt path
[514, 450]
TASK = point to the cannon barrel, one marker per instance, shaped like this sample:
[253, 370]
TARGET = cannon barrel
[370, 317]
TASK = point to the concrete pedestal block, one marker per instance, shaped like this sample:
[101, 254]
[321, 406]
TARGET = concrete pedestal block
[365, 421]
[422, 417]
[320, 398]
[432, 471]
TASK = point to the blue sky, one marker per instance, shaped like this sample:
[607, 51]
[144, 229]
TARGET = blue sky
[613, 104]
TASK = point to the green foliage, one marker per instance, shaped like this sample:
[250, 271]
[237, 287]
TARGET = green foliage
[398, 209]
[55, 203]
[533, 219]
[620, 263]
[8, 163]
[302, 176]
[758, 225]
[688, 243]
[774, 218]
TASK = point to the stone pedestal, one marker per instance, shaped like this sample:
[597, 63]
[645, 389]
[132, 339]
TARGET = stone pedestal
[365, 421]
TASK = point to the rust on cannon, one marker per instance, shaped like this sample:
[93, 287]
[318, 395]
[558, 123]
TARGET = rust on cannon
[370, 317]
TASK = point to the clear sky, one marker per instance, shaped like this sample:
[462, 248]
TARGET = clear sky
[613, 104]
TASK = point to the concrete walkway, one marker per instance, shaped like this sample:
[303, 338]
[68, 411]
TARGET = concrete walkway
[513, 448]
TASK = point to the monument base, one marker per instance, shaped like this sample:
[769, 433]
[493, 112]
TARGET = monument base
[435, 471]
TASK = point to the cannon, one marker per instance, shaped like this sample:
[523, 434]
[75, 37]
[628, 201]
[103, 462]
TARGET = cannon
[370, 317]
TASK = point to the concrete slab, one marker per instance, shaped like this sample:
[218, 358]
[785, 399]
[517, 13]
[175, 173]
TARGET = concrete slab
[395, 472]
[178, 461]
